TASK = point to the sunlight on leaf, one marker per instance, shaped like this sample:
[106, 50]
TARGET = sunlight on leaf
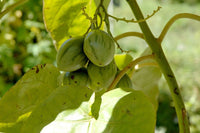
[120, 112]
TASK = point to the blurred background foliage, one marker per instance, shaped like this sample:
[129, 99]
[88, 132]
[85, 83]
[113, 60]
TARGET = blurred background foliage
[24, 43]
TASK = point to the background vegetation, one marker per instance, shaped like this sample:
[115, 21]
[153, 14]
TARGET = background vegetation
[24, 43]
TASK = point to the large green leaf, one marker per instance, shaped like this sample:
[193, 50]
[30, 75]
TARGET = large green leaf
[29, 91]
[123, 112]
[64, 18]
[120, 112]
[63, 98]
[71, 121]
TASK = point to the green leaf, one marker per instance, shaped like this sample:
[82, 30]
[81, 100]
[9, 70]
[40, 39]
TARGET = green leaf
[63, 98]
[29, 91]
[120, 112]
[126, 113]
[146, 78]
[64, 18]
[14, 127]
[71, 121]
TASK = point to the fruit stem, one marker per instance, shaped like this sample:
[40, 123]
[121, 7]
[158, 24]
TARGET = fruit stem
[128, 67]
[156, 48]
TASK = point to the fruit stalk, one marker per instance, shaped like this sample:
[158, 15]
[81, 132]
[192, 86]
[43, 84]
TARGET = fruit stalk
[165, 68]
[128, 67]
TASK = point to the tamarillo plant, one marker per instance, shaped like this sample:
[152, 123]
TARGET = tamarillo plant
[91, 89]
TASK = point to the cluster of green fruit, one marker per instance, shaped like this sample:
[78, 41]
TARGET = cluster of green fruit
[88, 61]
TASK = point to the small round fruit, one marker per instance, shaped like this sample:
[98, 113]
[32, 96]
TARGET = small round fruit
[99, 47]
[79, 78]
[125, 82]
[122, 60]
[101, 77]
[70, 56]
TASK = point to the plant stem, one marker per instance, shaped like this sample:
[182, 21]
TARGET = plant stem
[173, 19]
[11, 7]
[128, 67]
[126, 34]
[165, 68]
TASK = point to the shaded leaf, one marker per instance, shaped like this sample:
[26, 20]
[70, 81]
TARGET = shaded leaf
[146, 78]
[29, 91]
[63, 98]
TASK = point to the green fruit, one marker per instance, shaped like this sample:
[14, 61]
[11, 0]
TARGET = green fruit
[70, 56]
[125, 82]
[122, 60]
[79, 78]
[101, 77]
[99, 47]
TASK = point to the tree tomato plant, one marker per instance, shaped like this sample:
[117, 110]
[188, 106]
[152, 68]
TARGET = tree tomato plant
[99, 92]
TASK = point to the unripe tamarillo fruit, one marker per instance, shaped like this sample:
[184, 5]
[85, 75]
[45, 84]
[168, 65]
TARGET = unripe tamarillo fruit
[99, 47]
[70, 56]
[77, 78]
[125, 82]
[122, 60]
[101, 77]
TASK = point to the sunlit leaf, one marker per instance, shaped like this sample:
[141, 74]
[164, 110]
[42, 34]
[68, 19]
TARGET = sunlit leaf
[64, 18]
[71, 121]
[120, 112]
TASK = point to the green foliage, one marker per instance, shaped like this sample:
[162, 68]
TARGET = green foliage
[82, 99]
[64, 18]
[118, 113]
[24, 42]
[35, 85]
[149, 84]
[64, 98]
